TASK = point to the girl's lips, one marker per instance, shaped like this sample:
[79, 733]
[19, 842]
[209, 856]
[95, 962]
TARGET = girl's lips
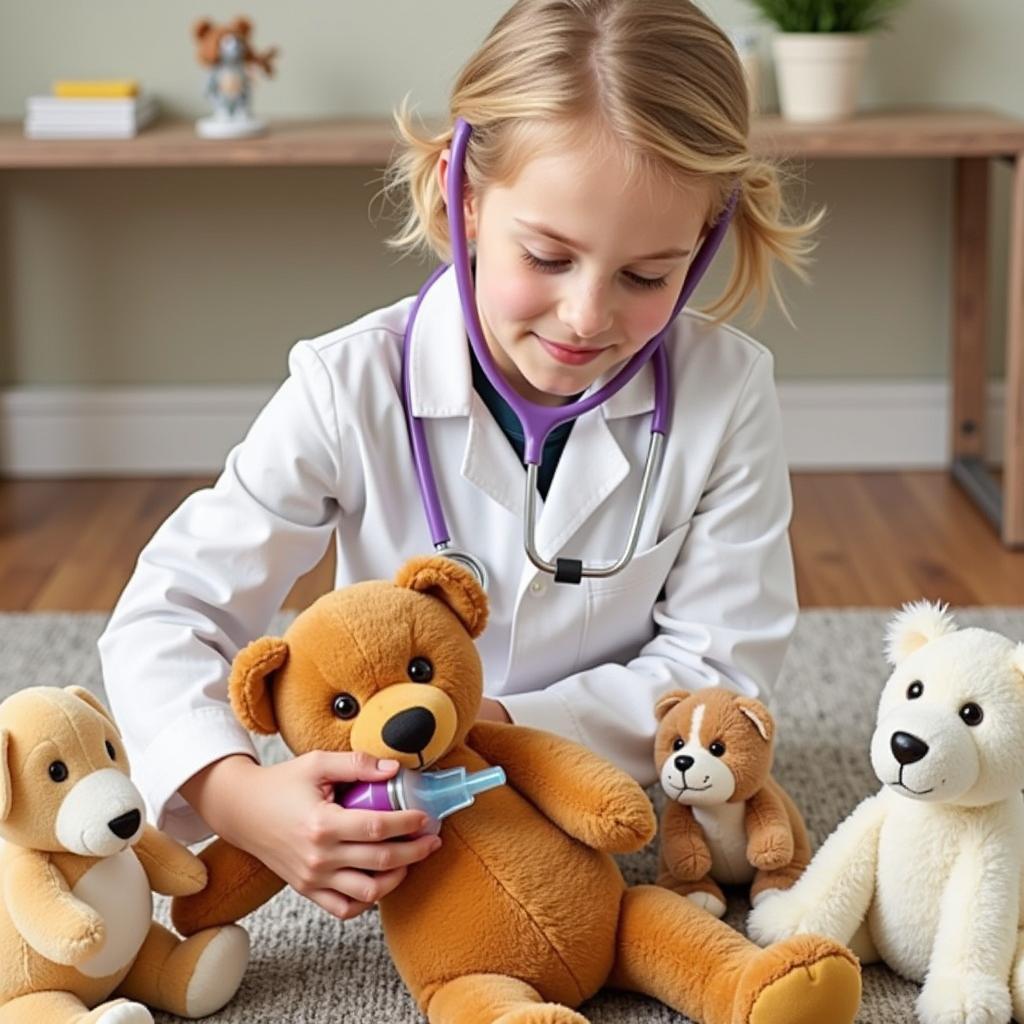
[568, 355]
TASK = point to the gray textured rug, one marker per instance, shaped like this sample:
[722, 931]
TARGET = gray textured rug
[308, 968]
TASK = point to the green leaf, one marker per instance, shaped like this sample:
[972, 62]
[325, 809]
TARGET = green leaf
[828, 15]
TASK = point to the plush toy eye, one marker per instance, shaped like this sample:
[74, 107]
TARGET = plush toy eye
[420, 670]
[677, 743]
[111, 752]
[345, 706]
[972, 714]
[915, 689]
[58, 771]
[717, 748]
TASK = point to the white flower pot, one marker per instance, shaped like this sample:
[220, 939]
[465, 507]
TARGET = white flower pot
[819, 73]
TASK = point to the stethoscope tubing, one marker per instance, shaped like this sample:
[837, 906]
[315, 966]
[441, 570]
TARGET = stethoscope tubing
[536, 420]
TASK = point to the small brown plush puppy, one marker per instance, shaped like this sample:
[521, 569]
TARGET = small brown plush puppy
[78, 868]
[521, 915]
[728, 821]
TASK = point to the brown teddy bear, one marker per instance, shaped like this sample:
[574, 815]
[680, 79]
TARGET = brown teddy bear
[727, 821]
[521, 914]
[208, 38]
[78, 868]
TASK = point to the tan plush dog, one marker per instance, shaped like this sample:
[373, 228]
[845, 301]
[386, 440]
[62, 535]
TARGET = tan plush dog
[521, 914]
[727, 821]
[78, 868]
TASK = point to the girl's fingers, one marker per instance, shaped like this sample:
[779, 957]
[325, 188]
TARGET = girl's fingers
[385, 856]
[374, 826]
[364, 888]
[329, 766]
[337, 905]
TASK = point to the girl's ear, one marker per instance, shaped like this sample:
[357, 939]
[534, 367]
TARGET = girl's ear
[915, 625]
[469, 203]
[440, 577]
[249, 685]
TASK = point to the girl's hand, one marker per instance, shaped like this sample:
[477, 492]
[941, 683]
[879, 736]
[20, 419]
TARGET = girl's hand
[285, 815]
[492, 711]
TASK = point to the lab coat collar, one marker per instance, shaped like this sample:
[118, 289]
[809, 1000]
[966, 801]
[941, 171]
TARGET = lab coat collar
[440, 375]
[592, 464]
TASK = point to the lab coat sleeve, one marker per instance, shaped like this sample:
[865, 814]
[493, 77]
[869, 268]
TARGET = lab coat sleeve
[728, 607]
[209, 581]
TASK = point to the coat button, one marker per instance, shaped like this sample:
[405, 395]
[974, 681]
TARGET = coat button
[537, 586]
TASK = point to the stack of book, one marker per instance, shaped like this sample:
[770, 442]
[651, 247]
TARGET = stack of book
[90, 110]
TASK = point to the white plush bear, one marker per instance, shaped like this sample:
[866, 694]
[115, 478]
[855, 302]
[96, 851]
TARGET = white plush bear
[926, 875]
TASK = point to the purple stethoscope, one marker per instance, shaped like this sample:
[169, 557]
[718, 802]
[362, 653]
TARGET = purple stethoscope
[539, 420]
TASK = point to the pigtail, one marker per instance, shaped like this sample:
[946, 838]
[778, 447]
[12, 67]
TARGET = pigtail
[764, 239]
[413, 185]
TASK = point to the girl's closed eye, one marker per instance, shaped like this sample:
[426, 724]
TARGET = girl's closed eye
[554, 266]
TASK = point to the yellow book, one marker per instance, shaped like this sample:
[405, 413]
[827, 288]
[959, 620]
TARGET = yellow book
[109, 88]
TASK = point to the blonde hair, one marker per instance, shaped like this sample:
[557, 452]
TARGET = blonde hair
[658, 75]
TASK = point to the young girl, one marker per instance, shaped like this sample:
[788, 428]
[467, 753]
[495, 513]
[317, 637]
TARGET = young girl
[607, 139]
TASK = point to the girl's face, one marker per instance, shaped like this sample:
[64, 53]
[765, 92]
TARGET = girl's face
[578, 265]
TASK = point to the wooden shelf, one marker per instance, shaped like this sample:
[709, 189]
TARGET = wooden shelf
[368, 143]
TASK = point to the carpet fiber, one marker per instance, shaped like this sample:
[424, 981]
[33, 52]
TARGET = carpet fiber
[308, 968]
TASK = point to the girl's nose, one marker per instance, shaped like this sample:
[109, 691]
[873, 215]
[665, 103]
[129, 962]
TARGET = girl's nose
[587, 311]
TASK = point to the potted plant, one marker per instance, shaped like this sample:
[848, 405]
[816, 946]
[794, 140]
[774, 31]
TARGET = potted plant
[820, 51]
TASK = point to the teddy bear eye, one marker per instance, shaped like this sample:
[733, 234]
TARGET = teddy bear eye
[972, 714]
[345, 706]
[111, 752]
[717, 748]
[677, 743]
[420, 670]
[58, 771]
[915, 689]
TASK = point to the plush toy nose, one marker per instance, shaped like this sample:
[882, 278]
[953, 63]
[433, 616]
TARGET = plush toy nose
[683, 761]
[410, 730]
[125, 826]
[907, 749]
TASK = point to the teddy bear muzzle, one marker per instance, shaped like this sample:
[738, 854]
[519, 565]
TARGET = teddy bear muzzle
[410, 722]
[100, 815]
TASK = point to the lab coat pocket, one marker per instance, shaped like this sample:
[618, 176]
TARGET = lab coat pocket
[619, 613]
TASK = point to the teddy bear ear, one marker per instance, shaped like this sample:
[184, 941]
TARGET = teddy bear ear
[5, 776]
[249, 685]
[444, 579]
[759, 715]
[1018, 658]
[667, 701]
[92, 700]
[201, 28]
[915, 625]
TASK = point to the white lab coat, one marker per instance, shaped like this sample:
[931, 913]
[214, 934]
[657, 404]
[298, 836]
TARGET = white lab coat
[709, 598]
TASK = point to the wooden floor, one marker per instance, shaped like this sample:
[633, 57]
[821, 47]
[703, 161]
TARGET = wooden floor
[864, 539]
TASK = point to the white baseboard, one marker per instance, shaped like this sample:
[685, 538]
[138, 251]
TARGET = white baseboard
[165, 431]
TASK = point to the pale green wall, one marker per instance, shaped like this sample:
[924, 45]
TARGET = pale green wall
[184, 276]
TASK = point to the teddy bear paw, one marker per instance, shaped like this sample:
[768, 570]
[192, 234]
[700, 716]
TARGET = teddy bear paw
[776, 915]
[969, 998]
[542, 1013]
[123, 1012]
[218, 971]
[707, 901]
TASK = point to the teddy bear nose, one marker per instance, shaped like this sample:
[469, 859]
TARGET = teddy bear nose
[907, 749]
[410, 730]
[683, 761]
[126, 825]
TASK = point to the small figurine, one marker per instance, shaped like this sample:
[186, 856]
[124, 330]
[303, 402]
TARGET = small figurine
[226, 51]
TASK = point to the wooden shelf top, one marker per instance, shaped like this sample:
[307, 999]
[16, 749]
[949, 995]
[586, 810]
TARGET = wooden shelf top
[368, 143]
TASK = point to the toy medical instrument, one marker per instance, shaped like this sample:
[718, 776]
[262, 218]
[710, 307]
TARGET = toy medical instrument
[437, 794]
[539, 420]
